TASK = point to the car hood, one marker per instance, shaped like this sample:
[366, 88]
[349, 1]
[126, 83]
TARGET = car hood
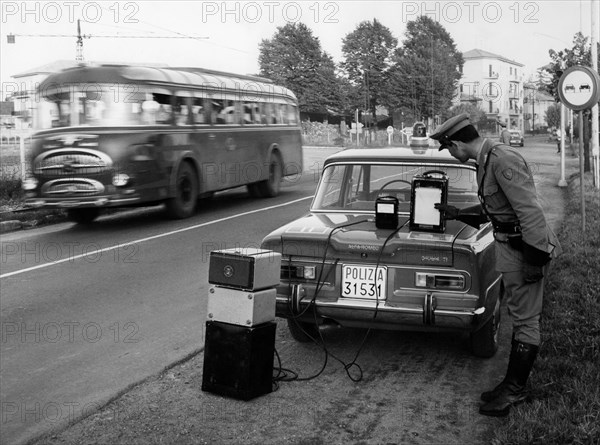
[357, 238]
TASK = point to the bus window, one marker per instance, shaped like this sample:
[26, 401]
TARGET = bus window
[97, 105]
[223, 111]
[292, 114]
[251, 113]
[181, 111]
[282, 112]
[164, 112]
[275, 117]
[199, 111]
[94, 111]
[63, 115]
[265, 111]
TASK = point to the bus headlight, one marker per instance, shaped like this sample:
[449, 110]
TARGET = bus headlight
[29, 183]
[120, 179]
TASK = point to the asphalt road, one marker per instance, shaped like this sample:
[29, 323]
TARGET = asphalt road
[88, 311]
[126, 297]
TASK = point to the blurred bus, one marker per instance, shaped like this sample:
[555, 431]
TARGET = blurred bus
[121, 136]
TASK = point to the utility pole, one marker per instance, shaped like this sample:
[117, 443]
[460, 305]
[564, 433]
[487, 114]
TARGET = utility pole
[79, 50]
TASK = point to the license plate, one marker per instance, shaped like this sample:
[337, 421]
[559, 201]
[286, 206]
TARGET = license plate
[363, 281]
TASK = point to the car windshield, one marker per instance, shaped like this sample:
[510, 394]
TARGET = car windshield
[355, 187]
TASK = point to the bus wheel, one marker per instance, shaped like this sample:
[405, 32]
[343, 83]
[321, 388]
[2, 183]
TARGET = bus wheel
[83, 216]
[270, 187]
[254, 190]
[183, 204]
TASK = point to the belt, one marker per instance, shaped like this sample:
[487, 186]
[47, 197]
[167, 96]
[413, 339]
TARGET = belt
[507, 227]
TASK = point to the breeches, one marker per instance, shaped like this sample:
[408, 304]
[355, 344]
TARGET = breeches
[524, 303]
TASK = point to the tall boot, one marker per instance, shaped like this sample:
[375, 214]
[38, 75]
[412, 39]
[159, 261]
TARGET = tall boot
[488, 396]
[512, 390]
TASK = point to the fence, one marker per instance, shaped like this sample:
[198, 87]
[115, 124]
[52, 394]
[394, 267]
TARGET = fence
[323, 134]
[14, 146]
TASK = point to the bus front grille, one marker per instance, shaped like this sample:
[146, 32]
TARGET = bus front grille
[68, 162]
[72, 187]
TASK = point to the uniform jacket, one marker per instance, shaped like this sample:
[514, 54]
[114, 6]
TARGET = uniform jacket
[505, 136]
[509, 195]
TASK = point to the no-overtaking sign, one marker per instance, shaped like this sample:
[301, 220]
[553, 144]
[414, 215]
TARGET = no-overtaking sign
[579, 88]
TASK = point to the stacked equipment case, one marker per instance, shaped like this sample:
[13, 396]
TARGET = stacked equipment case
[240, 330]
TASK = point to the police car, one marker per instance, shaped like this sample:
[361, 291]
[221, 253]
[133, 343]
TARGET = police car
[341, 265]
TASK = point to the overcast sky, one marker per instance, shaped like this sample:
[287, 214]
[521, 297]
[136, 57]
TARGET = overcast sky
[523, 31]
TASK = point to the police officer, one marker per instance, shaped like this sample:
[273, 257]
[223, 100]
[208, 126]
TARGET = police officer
[504, 134]
[524, 245]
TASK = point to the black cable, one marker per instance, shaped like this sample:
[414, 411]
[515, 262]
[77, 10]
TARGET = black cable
[319, 285]
[320, 280]
[348, 366]
[359, 350]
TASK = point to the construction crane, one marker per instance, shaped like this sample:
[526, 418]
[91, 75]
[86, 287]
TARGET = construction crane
[11, 38]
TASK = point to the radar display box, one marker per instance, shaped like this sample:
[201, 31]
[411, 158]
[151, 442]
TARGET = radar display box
[428, 189]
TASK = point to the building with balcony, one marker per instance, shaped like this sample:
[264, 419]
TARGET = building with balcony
[495, 84]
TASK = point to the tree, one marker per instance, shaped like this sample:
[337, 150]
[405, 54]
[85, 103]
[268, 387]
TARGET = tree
[553, 116]
[293, 58]
[476, 115]
[579, 54]
[426, 70]
[367, 51]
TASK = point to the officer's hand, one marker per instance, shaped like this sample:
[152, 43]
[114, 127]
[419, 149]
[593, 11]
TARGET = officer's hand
[448, 212]
[533, 274]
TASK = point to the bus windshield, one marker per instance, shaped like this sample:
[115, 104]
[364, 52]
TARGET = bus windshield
[106, 105]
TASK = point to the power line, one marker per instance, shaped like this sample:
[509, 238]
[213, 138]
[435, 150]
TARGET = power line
[88, 36]
[11, 38]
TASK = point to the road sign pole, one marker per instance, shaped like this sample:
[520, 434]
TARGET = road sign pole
[562, 182]
[581, 181]
[595, 143]
[579, 89]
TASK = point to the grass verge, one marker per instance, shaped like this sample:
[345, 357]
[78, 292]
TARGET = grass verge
[11, 202]
[566, 377]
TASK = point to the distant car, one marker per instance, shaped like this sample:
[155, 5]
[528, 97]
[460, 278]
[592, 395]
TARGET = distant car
[516, 138]
[339, 267]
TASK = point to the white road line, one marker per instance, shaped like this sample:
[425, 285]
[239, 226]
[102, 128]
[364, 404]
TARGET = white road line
[141, 240]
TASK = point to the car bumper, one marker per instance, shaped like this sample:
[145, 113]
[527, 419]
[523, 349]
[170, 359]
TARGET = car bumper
[428, 311]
